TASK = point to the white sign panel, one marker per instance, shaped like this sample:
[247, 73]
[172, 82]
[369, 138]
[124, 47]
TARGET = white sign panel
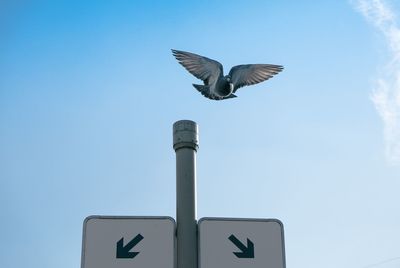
[128, 242]
[241, 243]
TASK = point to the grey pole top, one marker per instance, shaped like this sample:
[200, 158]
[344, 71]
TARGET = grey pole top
[186, 135]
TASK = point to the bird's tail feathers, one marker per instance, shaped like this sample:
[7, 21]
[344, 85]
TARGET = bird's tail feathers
[205, 91]
[201, 88]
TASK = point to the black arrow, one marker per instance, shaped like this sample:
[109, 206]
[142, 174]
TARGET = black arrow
[123, 252]
[247, 252]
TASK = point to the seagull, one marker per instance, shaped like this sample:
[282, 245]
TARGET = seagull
[216, 85]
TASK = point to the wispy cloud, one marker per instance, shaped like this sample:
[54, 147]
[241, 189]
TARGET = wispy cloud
[386, 93]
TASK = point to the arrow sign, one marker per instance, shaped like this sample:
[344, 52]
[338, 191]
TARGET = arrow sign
[123, 252]
[247, 252]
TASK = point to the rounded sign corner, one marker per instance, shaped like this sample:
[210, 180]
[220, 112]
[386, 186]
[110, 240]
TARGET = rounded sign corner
[170, 219]
[88, 218]
[202, 219]
[278, 222]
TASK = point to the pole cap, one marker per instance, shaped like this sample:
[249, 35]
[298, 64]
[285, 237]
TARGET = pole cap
[186, 135]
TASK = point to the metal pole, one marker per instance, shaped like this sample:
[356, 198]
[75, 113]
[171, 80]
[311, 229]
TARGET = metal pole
[186, 143]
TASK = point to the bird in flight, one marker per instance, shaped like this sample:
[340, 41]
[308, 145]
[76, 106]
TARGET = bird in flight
[216, 85]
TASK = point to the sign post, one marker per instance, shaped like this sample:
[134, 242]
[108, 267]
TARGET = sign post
[157, 242]
[186, 143]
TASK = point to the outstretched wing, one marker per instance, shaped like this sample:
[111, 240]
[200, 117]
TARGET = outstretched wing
[250, 74]
[201, 67]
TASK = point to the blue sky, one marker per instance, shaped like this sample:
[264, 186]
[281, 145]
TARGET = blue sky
[89, 92]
